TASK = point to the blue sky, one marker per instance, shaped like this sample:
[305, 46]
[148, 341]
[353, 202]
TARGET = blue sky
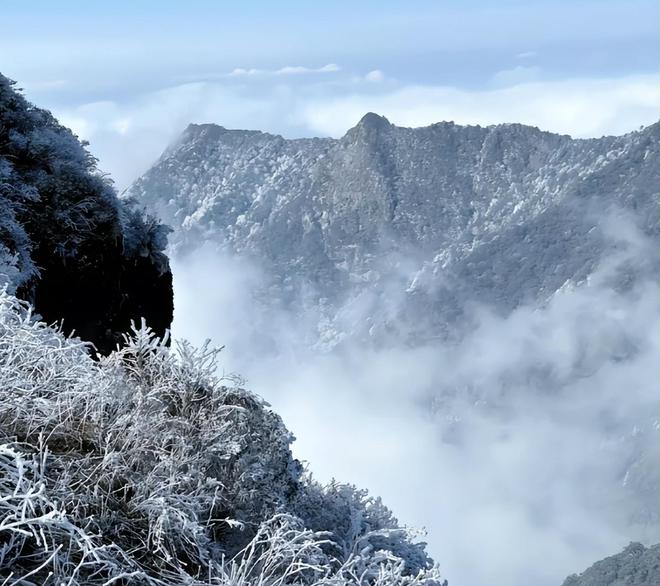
[129, 75]
[151, 43]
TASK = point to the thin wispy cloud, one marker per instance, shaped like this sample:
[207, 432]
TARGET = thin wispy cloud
[375, 76]
[516, 76]
[287, 70]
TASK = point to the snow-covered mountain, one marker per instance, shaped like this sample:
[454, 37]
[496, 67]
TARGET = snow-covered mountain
[409, 225]
[400, 236]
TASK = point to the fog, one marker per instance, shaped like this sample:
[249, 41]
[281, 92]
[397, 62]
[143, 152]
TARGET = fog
[519, 448]
[128, 134]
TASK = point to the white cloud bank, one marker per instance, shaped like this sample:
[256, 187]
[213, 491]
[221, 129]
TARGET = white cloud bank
[127, 137]
[581, 108]
[518, 473]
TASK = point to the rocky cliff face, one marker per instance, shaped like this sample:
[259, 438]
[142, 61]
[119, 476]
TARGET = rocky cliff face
[436, 218]
[66, 242]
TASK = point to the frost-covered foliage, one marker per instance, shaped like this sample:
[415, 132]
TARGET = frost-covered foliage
[636, 565]
[49, 181]
[42, 162]
[144, 235]
[67, 243]
[144, 468]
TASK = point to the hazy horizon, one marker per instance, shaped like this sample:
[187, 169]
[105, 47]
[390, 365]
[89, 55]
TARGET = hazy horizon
[129, 78]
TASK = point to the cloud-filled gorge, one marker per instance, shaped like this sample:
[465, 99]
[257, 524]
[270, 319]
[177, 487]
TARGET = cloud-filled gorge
[397, 270]
[524, 448]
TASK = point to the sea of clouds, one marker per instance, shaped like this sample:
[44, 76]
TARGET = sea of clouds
[129, 134]
[528, 449]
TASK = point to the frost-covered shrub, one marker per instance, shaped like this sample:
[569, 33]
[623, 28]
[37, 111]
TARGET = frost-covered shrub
[67, 243]
[358, 522]
[145, 468]
[16, 266]
[144, 235]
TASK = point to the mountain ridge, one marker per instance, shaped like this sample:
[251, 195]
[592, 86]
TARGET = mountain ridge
[413, 208]
[373, 116]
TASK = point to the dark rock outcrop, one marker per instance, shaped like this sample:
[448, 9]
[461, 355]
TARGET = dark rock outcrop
[68, 245]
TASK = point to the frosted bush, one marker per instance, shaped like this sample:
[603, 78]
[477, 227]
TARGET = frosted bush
[145, 468]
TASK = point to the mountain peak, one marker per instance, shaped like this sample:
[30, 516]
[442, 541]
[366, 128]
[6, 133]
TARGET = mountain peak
[371, 120]
[203, 130]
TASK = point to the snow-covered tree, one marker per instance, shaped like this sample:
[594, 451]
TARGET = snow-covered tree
[67, 243]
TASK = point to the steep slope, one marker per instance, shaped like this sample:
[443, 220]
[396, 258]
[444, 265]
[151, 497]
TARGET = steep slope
[436, 217]
[636, 565]
[143, 468]
[66, 242]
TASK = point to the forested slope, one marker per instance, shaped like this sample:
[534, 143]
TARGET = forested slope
[67, 244]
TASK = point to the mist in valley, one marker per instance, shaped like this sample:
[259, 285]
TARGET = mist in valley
[523, 447]
[425, 233]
